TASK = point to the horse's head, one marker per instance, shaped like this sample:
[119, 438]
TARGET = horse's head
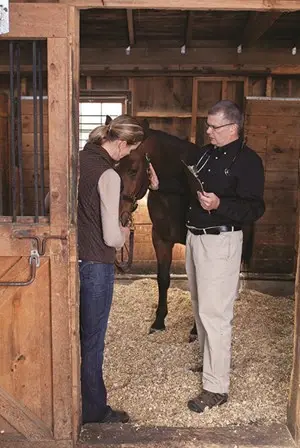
[133, 172]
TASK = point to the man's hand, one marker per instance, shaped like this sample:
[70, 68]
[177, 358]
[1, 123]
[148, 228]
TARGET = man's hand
[208, 201]
[153, 179]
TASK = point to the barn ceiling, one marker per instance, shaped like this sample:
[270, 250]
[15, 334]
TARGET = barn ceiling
[166, 28]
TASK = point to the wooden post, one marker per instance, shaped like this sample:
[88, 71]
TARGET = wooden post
[59, 113]
[269, 86]
[74, 76]
[194, 110]
[224, 90]
[89, 83]
[293, 415]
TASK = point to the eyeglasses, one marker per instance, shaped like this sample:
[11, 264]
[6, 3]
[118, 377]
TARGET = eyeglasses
[214, 128]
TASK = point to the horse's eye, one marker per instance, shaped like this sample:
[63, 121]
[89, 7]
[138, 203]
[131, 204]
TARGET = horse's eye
[132, 173]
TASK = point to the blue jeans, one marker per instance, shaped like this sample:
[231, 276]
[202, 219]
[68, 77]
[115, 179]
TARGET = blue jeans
[96, 291]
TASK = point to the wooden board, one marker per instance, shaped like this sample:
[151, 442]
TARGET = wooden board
[271, 129]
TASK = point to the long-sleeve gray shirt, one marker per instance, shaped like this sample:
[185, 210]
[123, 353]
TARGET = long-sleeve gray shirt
[109, 191]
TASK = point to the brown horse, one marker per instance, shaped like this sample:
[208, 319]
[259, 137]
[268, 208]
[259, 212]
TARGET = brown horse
[167, 207]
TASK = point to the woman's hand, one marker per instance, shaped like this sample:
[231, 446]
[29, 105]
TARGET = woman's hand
[153, 179]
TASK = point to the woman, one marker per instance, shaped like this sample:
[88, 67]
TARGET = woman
[99, 234]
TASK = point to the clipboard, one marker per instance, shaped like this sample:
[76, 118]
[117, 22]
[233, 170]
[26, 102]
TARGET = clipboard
[193, 179]
[192, 175]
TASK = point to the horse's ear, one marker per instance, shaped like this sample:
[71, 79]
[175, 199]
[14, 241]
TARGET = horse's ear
[108, 119]
[145, 124]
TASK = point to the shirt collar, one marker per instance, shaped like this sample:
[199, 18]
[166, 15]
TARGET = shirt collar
[231, 147]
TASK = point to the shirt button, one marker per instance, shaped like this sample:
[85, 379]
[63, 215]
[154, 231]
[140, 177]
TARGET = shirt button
[188, 221]
[216, 158]
[190, 208]
[208, 170]
[225, 153]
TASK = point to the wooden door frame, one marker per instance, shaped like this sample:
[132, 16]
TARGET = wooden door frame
[59, 24]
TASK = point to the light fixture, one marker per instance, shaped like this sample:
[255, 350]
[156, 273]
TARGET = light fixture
[239, 49]
[183, 49]
[294, 50]
[127, 50]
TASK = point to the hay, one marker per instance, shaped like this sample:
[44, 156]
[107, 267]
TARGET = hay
[149, 375]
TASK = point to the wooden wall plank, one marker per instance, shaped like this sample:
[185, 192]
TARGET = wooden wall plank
[266, 108]
[29, 20]
[256, 5]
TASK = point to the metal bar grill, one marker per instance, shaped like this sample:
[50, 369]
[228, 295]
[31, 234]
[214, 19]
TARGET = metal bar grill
[41, 130]
[13, 190]
[19, 130]
[26, 183]
[35, 131]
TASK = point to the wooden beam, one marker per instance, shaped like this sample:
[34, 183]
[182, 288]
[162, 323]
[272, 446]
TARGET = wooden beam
[31, 20]
[253, 60]
[258, 23]
[130, 25]
[188, 29]
[21, 418]
[200, 5]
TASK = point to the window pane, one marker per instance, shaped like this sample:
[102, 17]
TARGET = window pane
[92, 115]
[114, 109]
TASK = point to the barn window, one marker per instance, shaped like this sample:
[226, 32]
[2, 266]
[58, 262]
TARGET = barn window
[93, 113]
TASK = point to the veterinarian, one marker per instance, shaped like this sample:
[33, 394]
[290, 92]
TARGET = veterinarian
[230, 195]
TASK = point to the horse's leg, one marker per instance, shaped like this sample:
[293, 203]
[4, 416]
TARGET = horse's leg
[163, 250]
[193, 333]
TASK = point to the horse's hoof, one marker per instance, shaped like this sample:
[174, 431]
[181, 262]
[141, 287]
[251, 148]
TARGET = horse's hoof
[156, 330]
[192, 337]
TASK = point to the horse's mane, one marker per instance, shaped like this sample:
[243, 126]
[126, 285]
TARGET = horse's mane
[168, 143]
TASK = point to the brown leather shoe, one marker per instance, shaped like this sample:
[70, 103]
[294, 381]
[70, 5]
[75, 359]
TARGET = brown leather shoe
[205, 400]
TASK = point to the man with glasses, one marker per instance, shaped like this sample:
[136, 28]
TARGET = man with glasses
[230, 195]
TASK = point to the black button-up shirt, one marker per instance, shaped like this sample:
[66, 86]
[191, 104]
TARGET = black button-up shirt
[240, 191]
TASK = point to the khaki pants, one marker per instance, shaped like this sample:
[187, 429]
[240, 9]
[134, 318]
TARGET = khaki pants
[213, 267]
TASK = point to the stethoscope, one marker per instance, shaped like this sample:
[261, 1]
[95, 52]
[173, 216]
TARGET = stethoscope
[198, 167]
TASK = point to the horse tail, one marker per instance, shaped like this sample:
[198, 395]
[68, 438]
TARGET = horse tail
[248, 244]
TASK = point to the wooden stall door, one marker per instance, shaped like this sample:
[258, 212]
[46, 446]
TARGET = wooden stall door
[272, 129]
[39, 399]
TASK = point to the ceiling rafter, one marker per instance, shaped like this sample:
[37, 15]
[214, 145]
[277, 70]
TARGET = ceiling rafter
[257, 25]
[188, 28]
[130, 26]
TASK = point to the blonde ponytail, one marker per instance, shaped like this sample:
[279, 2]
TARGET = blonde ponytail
[123, 127]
